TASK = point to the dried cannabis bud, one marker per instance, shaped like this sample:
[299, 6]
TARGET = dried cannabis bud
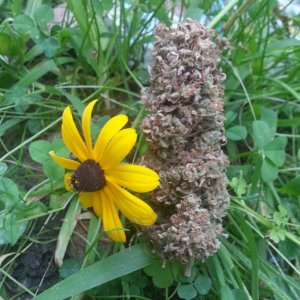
[185, 133]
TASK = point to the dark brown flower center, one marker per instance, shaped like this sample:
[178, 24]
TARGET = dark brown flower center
[88, 177]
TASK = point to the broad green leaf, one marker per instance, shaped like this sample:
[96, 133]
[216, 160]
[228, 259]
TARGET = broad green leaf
[35, 125]
[7, 45]
[52, 170]
[262, 134]
[50, 47]
[269, 171]
[23, 24]
[11, 228]
[70, 266]
[3, 168]
[12, 95]
[194, 11]
[177, 270]
[203, 284]
[3, 238]
[275, 151]
[9, 192]
[270, 117]
[161, 275]
[39, 151]
[8, 124]
[109, 268]
[236, 133]
[164, 279]
[42, 16]
[32, 6]
[187, 292]
[292, 187]
[230, 116]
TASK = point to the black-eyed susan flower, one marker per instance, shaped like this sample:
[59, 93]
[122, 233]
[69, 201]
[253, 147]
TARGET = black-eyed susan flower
[100, 178]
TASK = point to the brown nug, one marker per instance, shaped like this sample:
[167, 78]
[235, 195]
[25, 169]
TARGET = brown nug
[88, 177]
[185, 133]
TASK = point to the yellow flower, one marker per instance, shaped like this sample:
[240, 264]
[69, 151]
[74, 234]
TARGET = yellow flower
[98, 175]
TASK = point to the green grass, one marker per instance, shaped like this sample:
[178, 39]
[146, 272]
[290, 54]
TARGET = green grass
[100, 50]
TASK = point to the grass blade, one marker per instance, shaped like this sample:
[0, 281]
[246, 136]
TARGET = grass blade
[110, 268]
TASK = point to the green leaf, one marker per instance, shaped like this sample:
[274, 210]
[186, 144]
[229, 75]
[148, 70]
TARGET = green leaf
[203, 284]
[277, 234]
[42, 16]
[262, 134]
[239, 185]
[46, 66]
[161, 275]
[269, 171]
[226, 293]
[23, 24]
[35, 125]
[3, 168]
[240, 294]
[164, 279]
[50, 47]
[52, 170]
[11, 228]
[236, 133]
[8, 124]
[194, 12]
[177, 270]
[230, 116]
[187, 292]
[292, 187]
[275, 151]
[66, 230]
[39, 151]
[13, 94]
[23, 210]
[9, 192]
[70, 266]
[270, 117]
[7, 45]
[3, 238]
[109, 268]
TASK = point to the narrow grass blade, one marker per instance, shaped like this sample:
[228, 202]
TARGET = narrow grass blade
[67, 230]
[40, 70]
[110, 268]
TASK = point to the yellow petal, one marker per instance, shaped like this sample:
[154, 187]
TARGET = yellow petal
[64, 162]
[86, 199]
[135, 178]
[134, 209]
[110, 218]
[113, 126]
[71, 136]
[86, 127]
[67, 182]
[97, 203]
[118, 148]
